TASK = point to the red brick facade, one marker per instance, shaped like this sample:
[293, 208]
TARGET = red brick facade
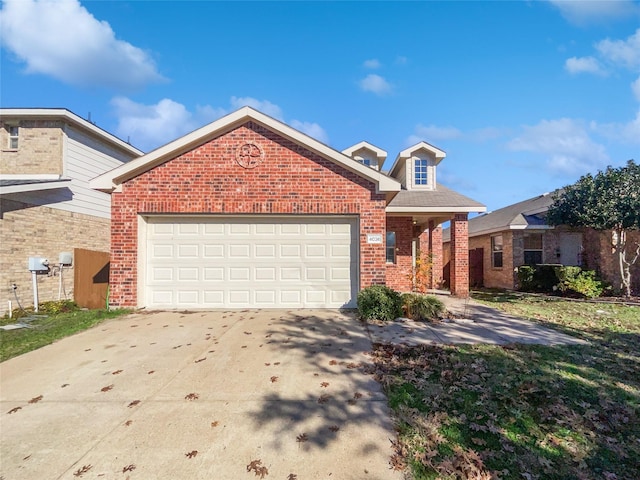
[460, 255]
[208, 180]
[399, 273]
[434, 241]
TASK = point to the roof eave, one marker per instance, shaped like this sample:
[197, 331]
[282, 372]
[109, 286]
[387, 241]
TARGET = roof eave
[34, 187]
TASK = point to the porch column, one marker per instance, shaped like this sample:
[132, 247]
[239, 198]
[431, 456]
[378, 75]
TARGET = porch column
[435, 250]
[460, 255]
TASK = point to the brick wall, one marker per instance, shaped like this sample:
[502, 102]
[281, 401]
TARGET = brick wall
[40, 145]
[459, 255]
[28, 230]
[291, 180]
[600, 256]
[398, 275]
[496, 277]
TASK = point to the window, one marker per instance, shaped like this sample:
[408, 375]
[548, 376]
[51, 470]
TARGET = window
[496, 251]
[391, 247]
[13, 138]
[420, 172]
[532, 248]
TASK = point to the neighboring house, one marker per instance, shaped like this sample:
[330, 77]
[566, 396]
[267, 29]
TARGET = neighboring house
[518, 234]
[249, 212]
[48, 156]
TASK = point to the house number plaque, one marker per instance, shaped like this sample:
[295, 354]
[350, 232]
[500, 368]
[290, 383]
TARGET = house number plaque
[249, 155]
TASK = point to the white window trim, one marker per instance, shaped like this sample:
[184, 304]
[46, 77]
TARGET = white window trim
[493, 252]
[12, 137]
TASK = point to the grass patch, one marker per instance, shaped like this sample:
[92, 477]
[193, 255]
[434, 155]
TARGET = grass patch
[522, 411]
[47, 328]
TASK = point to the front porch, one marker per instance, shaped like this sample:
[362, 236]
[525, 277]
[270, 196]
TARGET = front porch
[415, 254]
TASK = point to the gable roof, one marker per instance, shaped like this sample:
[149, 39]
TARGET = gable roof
[519, 216]
[378, 152]
[112, 180]
[442, 199]
[432, 151]
[8, 114]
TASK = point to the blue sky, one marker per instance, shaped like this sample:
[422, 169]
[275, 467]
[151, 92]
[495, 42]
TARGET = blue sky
[523, 96]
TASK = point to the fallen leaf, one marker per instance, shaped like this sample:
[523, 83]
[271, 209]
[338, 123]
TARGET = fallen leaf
[334, 428]
[116, 372]
[200, 360]
[324, 398]
[134, 403]
[128, 468]
[324, 384]
[214, 424]
[128, 422]
[192, 396]
[274, 379]
[150, 372]
[292, 476]
[333, 362]
[82, 471]
[191, 454]
[107, 388]
[302, 438]
[256, 467]
[36, 399]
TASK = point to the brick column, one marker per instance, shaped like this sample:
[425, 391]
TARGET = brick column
[460, 255]
[435, 250]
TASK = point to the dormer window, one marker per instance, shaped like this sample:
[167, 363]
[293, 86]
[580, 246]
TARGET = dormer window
[420, 171]
[367, 154]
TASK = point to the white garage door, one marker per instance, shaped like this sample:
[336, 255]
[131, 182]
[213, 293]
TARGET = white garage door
[237, 262]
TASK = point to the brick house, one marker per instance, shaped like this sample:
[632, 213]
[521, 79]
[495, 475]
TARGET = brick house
[47, 158]
[518, 234]
[249, 212]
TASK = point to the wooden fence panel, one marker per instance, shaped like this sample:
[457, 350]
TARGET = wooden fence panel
[90, 278]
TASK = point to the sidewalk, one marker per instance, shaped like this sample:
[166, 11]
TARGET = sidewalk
[474, 323]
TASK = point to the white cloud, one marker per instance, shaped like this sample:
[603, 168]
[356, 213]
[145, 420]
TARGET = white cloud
[312, 129]
[628, 132]
[564, 143]
[375, 84]
[577, 65]
[372, 63]
[149, 126]
[432, 133]
[625, 53]
[635, 88]
[63, 40]
[264, 106]
[596, 11]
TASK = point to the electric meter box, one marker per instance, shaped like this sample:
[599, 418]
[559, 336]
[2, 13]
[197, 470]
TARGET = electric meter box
[66, 259]
[38, 264]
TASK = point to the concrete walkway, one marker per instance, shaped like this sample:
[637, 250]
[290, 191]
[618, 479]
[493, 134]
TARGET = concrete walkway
[475, 323]
[204, 395]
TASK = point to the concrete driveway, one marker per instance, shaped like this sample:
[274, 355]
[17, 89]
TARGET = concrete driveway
[215, 395]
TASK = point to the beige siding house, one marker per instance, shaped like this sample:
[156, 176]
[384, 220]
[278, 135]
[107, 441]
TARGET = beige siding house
[47, 158]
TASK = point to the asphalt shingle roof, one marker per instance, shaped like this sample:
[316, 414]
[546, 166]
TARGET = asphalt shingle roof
[441, 197]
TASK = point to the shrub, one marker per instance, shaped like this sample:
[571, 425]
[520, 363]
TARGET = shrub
[59, 306]
[525, 274]
[379, 302]
[573, 281]
[422, 307]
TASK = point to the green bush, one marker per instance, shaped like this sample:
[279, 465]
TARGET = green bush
[379, 302]
[59, 306]
[422, 307]
[567, 281]
[577, 282]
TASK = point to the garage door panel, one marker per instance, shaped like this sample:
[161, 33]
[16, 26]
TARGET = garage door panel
[239, 251]
[213, 251]
[187, 251]
[213, 274]
[240, 262]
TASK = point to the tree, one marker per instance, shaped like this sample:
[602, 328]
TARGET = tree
[610, 200]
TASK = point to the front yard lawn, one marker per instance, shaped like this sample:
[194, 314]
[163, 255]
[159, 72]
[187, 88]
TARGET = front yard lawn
[47, 328]
[522, 411]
